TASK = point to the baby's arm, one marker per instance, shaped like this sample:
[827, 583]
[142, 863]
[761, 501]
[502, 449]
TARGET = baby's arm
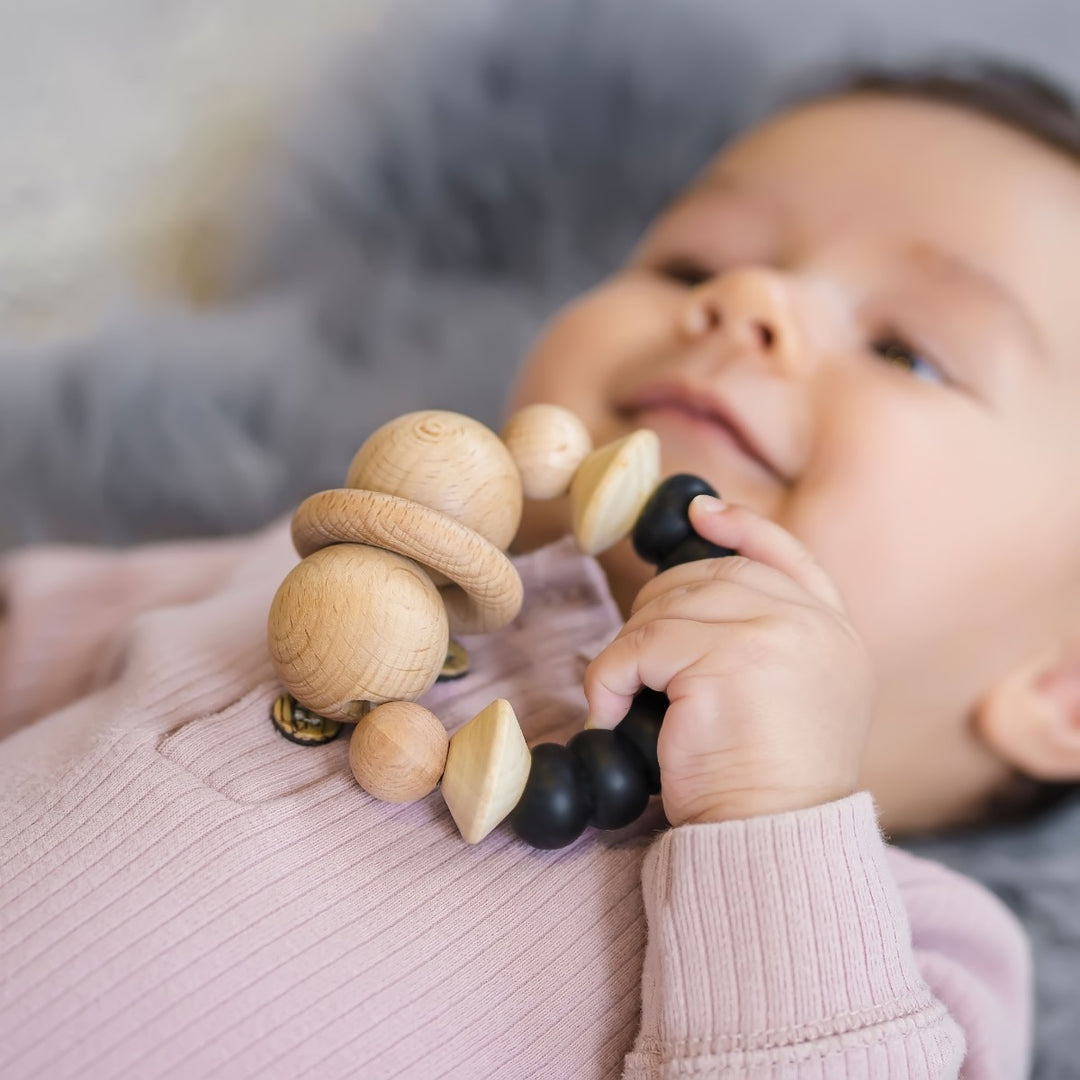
[801, 945]
[779, 940]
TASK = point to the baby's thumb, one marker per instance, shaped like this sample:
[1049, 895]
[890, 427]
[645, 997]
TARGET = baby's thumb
[756, 537]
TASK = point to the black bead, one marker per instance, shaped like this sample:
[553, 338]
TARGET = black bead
[664, 521]
[555, 806]
[618, 777]
[640, 728]
[690, 550]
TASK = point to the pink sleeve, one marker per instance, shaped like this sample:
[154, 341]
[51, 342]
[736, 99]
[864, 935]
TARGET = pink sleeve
[800, 945]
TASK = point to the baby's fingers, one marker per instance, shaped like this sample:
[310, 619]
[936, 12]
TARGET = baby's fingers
[761, 540]
[650, 655]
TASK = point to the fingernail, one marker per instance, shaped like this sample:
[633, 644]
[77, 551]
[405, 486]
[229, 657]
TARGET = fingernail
[708, 504]
[590, 723]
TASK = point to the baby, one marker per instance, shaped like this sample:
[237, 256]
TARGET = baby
[858, 326]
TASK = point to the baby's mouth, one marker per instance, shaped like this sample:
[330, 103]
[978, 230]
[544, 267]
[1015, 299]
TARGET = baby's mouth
[678, 408]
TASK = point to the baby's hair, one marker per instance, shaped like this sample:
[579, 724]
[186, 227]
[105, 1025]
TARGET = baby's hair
[1028, 102]
[1019, 97]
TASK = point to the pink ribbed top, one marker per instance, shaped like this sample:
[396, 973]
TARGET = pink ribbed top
[184, 894]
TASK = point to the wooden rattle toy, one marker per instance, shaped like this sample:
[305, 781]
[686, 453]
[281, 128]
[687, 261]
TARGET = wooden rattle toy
[411, 550]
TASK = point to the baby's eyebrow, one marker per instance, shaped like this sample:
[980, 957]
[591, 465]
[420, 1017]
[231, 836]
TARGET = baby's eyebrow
[947, 264]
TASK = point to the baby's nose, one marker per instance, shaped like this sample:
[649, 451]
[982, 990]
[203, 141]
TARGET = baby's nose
[749, 309]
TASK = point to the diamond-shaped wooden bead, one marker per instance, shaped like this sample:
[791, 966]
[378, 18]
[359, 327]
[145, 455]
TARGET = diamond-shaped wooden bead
[611, 486]
[486, 769]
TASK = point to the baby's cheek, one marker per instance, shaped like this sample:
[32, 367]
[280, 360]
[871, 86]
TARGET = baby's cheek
[876, 565]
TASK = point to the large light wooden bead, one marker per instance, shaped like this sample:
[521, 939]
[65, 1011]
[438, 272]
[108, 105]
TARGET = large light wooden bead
[486, 769]
[449, 462]
[610, 488]
[352, 623]
[397, 752]
[487, 591]
[548, 443]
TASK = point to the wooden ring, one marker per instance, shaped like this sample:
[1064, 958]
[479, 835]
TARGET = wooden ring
[489, 592]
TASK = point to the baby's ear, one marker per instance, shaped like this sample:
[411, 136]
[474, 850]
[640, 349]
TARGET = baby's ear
[1031, 718]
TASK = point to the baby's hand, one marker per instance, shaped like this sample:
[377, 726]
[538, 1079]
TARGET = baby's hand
[771, 689]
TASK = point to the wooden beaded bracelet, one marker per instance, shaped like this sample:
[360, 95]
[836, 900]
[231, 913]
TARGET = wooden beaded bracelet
[412, 549]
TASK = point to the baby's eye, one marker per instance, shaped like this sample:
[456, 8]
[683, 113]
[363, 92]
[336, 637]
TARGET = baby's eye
[685, 272]
[896, 351]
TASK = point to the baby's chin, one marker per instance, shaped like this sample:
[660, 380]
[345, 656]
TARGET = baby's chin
[542, 522]
[626, 574]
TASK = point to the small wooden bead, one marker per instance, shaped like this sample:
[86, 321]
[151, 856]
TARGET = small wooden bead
[618, 777]
[610, 488]
[555, 806]
[486, 768]
[640, 728]
[352, 624]
[548, 443]
[397, 752]
[448, 462]
[664, 521]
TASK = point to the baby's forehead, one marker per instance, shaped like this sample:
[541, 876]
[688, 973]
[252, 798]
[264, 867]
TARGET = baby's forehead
[830, 148]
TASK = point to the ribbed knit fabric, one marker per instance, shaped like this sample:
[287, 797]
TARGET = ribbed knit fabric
[183, 893]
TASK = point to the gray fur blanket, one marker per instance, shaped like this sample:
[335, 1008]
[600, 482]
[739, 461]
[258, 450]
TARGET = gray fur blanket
[441, 196]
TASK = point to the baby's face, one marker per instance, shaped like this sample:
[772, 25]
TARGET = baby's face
[864, 322]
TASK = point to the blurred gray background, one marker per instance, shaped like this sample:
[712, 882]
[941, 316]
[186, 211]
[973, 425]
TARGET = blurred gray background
[121, 116]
